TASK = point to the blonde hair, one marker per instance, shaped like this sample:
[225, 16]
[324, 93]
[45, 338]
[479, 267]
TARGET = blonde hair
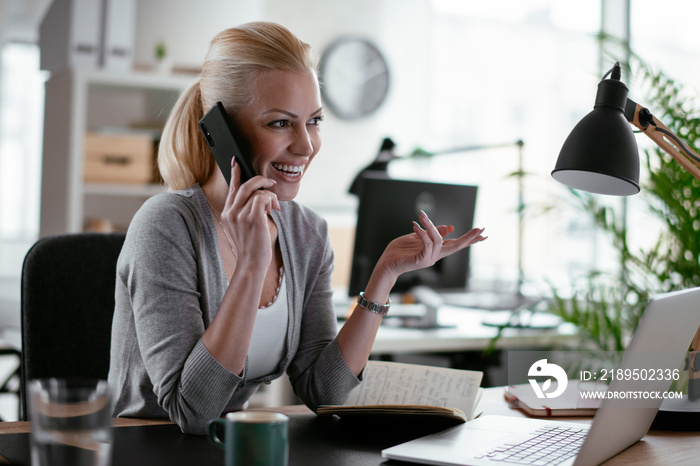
[236, 58]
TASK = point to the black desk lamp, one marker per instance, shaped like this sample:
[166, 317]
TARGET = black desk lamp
[378, 167]
[601, 156]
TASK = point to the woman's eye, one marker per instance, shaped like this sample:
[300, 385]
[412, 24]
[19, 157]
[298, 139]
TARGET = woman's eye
[279, 123]
[316, 120]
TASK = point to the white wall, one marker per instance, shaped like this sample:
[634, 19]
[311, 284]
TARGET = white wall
[187, 26]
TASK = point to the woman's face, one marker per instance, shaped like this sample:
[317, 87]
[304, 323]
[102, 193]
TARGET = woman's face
[282, 127]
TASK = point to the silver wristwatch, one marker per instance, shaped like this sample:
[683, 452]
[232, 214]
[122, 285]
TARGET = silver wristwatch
[381, 309]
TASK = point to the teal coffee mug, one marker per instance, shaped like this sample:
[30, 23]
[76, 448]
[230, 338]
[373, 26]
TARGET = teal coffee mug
[252, 438]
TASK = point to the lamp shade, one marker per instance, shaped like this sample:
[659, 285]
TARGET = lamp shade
[600, 155]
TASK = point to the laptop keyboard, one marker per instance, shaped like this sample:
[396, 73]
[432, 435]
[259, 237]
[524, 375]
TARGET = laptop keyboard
[548, 445]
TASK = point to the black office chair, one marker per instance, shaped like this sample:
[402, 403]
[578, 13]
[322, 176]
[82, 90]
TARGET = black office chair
[67, 306]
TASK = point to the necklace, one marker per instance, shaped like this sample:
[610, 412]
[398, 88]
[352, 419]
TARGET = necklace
[228, 238]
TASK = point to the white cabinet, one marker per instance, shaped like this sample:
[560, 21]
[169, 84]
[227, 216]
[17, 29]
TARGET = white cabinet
[78, 101]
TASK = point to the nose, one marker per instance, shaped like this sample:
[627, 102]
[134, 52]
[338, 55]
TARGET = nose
[303, 144]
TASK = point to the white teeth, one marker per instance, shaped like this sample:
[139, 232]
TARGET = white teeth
[290, 170]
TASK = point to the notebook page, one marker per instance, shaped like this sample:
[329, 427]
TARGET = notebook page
[410, 384]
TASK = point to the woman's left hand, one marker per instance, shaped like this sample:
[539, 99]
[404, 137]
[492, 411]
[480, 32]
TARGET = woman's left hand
[424, 247]
[413, 251]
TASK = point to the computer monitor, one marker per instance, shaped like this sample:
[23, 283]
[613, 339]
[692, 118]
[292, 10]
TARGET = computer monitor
[386, 211]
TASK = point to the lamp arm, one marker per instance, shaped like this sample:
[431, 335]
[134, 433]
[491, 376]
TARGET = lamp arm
[453, 150]
[640, 117]
[672, 145]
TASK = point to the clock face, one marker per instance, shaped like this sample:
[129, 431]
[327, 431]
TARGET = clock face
[354, 78]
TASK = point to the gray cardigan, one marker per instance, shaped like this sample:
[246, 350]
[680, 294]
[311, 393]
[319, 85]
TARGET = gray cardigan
[170, 283]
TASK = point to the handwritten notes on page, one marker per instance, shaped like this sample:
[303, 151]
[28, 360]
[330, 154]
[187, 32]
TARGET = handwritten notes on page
[390, 383]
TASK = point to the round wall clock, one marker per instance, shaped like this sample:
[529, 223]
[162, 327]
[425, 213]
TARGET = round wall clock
[354, 77]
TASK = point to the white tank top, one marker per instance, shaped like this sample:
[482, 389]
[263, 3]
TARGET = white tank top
[268, 342]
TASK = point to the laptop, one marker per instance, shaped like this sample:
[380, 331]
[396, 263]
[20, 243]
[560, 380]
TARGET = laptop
[661, 341]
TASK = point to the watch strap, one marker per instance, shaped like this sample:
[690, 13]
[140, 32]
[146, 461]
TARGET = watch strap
[381, 309]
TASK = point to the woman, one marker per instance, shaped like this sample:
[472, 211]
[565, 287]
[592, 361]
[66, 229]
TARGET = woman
[222, 288]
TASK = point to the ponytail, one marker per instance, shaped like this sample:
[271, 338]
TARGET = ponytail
[183, 155]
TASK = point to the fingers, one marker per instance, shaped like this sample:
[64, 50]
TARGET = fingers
[233, 185]
[260, 201]
[445, 229]
[421, 233]
[431, 237]
[434, 242]
[473, 236]
[241, 194]
[436, 239]
[476, 234]
[235, 175]
[263, 200]
[432, 231]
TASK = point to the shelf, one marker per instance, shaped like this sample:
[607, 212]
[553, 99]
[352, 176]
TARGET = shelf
[78, 101]
[127, 190]
[135, 80]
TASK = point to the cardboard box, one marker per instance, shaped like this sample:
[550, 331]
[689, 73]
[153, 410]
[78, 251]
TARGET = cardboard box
[119, 158]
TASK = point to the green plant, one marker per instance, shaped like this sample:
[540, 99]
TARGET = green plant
[607, 308]
[161, 51]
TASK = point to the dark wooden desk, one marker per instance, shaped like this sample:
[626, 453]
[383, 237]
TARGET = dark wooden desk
[323, 441]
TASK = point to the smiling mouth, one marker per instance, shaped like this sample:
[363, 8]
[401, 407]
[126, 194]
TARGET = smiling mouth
[289, 170]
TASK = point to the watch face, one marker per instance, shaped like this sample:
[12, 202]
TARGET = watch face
[354, 78]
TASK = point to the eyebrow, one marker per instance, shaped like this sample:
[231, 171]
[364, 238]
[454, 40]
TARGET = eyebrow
[290, 114]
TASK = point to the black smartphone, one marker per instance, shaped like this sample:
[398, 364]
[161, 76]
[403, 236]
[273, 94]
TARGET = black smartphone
[224, 143]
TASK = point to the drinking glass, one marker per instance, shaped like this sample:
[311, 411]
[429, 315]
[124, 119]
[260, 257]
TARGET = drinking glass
[71, 422]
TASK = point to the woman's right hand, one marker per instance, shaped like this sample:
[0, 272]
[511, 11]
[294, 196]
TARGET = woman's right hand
[245, 218]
